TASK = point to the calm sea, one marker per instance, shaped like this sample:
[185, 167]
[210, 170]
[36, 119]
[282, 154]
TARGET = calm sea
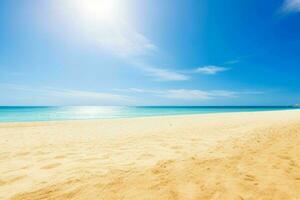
[26, 114]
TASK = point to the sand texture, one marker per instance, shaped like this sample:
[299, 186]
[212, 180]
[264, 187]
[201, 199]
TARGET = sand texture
[217, 156]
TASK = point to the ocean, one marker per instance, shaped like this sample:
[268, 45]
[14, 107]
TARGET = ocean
[57, 113]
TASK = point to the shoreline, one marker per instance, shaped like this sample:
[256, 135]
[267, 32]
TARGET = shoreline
[245, 155]
[143, 117]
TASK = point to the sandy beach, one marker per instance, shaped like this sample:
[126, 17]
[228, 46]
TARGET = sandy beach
[251, 155]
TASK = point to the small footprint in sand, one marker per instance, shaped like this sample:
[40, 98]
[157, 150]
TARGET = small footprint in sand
[240, 197]
[51, 166]
[249, 177]
[59, 157]
[284, 157]
[88, 159]
[146, 156]
[23, 154]
[176, 147]
[40, 153]
[195, 140]
[292, 163]
[2, 182]
[105, 157]
[25, 167]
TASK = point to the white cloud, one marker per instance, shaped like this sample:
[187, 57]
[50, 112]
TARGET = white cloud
[139, 90]
[184, 94]
[132, 46]
[291, 6]
[165, 75]
[160, 74]
[191, 94]
[131, 96]
[102, 23]
[107, 25]
[224, 93]
[50, 95]
[80, 94]
[231, 62]
[211, 69]
[187, 94]
[124, 41]
[198, 94]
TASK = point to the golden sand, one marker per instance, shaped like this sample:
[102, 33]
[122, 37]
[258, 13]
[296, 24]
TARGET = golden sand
[216, 156]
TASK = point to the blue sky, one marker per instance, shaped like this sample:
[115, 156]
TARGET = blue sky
[150, 52]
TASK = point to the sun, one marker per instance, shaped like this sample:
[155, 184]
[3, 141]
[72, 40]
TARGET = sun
[96, 11]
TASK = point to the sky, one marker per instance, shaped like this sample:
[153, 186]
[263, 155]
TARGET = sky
[149, 52]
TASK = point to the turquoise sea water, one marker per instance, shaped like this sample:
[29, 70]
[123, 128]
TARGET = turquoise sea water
[26, 114]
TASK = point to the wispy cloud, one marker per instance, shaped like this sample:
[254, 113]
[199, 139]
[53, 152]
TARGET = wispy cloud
[81, 94]
[104, 24]
[211, 69]
[239, 59]
[231, 62]
[129, 96]
[160, 74]
[138, 90]
[165, 75]
[113, 32]
[132, 46]
[190, 94]
[290, 6]
[187, 94]
[69, 96]
[206, 94]
[124, 41]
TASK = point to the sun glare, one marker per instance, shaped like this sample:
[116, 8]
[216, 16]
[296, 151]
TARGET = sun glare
[96, 11]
